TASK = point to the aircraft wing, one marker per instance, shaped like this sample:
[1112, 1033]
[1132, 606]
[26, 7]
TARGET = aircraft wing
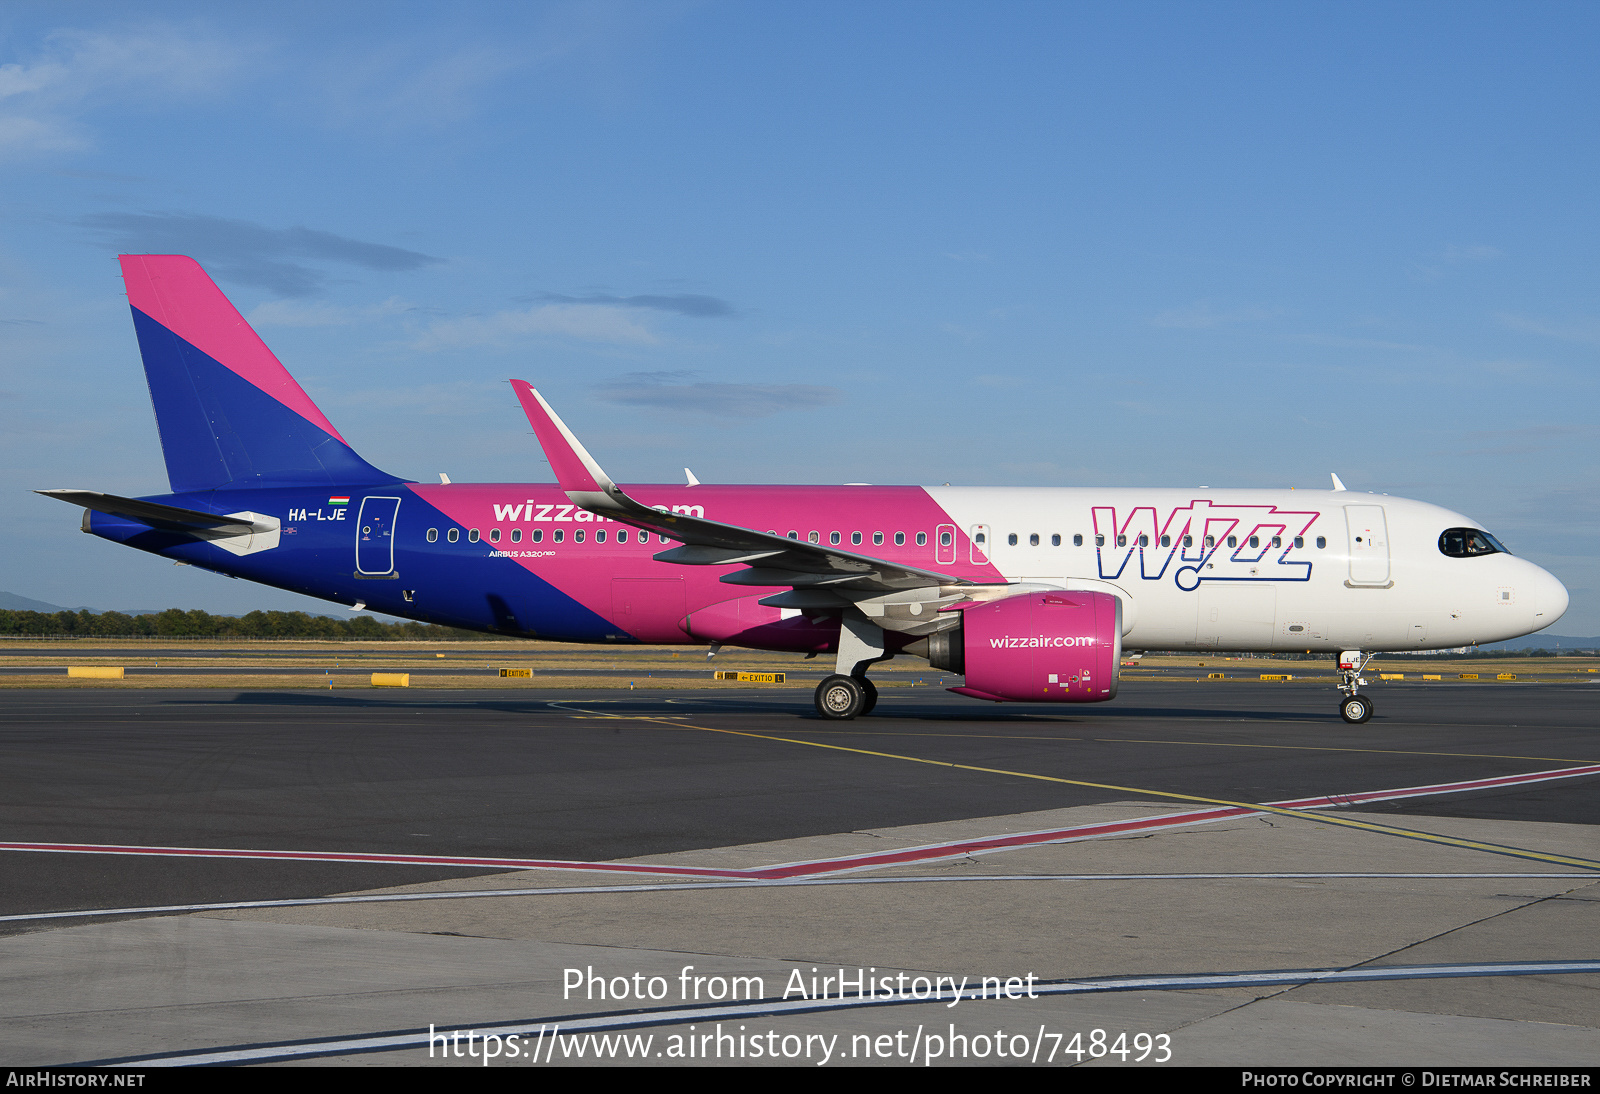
[770, 559]
[168, 518]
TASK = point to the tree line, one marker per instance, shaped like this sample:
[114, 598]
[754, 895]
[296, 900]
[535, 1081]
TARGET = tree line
[177, 623]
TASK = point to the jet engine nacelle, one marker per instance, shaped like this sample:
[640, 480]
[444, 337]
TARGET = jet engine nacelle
[1057, 647]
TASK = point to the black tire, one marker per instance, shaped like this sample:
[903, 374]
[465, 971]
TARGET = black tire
[1356, 709]
[840, 698]
[871, 691]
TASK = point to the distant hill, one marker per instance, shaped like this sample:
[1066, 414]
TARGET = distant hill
[1545, 642]
[13, 603]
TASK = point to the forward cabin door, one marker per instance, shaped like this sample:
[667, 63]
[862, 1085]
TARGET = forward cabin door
[1369, 544]
[375, 536]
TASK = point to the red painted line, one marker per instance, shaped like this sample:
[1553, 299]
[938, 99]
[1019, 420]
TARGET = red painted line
[821, 866]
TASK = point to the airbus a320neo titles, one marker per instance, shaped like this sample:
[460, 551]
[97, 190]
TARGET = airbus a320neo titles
[1030, 593]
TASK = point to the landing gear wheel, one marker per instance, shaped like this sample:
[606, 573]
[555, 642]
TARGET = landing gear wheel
[841, 698]
[871, 691]
[1356, 709]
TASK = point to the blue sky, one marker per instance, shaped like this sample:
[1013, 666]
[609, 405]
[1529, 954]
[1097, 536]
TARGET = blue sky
[1055, 244]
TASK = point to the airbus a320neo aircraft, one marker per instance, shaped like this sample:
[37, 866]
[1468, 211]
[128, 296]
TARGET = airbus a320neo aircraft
[1031, 593]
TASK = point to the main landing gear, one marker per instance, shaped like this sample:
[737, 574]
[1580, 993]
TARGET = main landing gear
[1355, 708]
[841, 698]
[848, 693]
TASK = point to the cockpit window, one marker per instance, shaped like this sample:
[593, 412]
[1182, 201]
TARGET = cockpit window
[1466, 542]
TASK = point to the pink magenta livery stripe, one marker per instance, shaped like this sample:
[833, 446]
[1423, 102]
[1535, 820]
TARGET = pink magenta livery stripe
[814, 867]
[587, 571]
[175, 292]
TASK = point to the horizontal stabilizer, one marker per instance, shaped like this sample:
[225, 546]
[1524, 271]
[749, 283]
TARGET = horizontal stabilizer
[168, 518]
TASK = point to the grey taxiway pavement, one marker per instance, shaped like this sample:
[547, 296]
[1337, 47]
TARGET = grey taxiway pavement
[1216, 875]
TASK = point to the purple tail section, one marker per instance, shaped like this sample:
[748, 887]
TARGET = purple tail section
[229, 413]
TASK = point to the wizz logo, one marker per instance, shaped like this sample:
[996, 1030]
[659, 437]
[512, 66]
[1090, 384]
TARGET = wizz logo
[1204, 542]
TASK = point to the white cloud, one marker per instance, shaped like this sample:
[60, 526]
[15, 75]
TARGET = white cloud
[583, 322]
[41, 101]
[1582, 330]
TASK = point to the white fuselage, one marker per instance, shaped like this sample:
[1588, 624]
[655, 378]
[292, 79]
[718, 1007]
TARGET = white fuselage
[1306, 569]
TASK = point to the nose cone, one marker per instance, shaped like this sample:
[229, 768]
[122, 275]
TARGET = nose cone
[1549, 598]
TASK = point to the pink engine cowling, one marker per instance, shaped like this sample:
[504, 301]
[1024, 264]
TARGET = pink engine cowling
[1058, 647]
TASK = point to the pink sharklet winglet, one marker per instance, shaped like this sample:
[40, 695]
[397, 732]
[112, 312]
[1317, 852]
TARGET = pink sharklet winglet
[575, 469]
[175, 292]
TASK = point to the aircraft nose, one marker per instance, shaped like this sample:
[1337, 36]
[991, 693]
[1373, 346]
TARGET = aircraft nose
[1550, 598]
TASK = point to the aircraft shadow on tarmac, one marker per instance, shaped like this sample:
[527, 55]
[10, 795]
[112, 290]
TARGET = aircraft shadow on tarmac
[932, 710]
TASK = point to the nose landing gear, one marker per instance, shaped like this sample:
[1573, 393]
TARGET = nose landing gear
[1355, 709]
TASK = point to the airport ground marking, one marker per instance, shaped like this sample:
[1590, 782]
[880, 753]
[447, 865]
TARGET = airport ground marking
[1343, 822]
[770, 883]
[1331, 748]
[838, 865]
[1203, 744]
[537, 1029]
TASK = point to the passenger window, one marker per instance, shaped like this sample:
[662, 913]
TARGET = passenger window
[453, 535]
[1233, 541]
[899, 539]
[472, 535]
[558, 535]
[622, 535]
[944, 539]
[600, 535]
[1255, 541]
[814, 537]
[1321, 542]
[1122, 541]
[577, 536]
[537, 535]
[1166, 541]
[979, 539]
[433, 535]
[793, 534]
[1099, 541]
[1188, 541]
[855, 539]
[1077, 540]
[1277, 541]
[1299, 541]
[877, 539]
[1211, 541]
[1144, 540]
[494, 535]
[516, 535]
[1033, 539]
[833, 538]
[922, 539]
[1055, 540]
[1011, 540]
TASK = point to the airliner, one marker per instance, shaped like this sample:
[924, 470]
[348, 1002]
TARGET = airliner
[1029, 594]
